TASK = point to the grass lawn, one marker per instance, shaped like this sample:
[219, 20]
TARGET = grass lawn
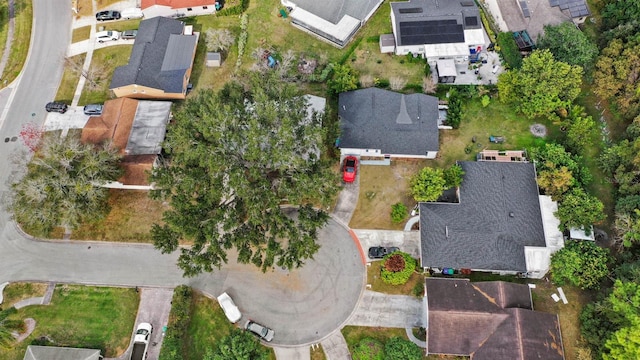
[15, 292]
[208, 325]
[416, 281]
[4, 28]
[82, 316]
[104, 62]
[69, 82]
[81, 33]
[380, 188]
[318, 354]
[569, 314]
[21, 40]
[130, 219]
[353, 334]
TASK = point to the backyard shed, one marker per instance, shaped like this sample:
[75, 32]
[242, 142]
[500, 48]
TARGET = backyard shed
[387, 43]
[213, 59]
[446, 71]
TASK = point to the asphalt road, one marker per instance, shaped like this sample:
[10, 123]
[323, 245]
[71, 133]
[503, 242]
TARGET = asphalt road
[302, 306]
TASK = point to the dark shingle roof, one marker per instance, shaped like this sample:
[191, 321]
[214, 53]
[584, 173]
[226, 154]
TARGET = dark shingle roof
[392, 122]
[434, 21]
[160, 57]
[334, 10]
[489, 321]
[497, 216]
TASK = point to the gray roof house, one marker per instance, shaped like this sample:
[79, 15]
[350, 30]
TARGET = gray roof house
[60, 353]
[160, 63]
[500, 224]
[334, 21]
[437, 29]
[491, 320]
[376, 122]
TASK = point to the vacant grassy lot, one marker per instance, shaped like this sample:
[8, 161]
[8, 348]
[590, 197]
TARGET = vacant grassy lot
[568, 314]
[15, 292]
[208, 325]
[130, 219]
[380, 188]
[416, 281]
[21, 40]
[82, 316]
[104, 62]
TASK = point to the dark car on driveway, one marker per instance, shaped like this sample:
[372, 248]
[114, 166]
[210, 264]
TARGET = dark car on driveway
[108, 15]
[261, 331]
[93, 109]
[128, 34]
[55, 106]
[378, 252]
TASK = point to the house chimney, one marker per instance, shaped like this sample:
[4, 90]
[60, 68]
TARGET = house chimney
[446, 231]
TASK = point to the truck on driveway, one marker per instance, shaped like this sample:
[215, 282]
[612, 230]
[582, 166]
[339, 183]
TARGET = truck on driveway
[141, 341]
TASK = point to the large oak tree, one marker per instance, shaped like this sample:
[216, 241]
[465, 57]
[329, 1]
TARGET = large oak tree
[235, 158]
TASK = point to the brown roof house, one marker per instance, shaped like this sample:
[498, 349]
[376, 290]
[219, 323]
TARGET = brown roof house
[160, 63]
[491, 320]
[137, 128]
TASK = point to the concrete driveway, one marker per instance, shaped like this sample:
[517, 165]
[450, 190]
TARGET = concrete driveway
[407, 241]
[382, 310]
[347, 200]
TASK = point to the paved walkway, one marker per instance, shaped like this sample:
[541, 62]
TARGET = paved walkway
[335, 347]
[293, 353]
[7, 45]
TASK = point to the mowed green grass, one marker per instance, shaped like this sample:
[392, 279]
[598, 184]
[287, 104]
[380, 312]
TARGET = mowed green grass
[82, 316]
[104, 62]
[21, 40]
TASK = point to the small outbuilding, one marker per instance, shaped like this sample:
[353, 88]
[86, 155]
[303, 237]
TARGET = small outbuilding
[387, 43]
[446, 71]
[213, 59]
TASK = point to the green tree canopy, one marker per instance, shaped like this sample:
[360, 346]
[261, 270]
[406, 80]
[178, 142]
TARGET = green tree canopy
[428, 184]
[552, 157]
[62, 185]
[239, 345]
[579, 210]
[616, 76]
[620, 12]
[235, 158]
[568, 44]
[580, 263]
[344, 79]
[541, 86]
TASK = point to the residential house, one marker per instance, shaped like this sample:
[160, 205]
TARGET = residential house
[334, 21]
[35, 352]
[533, 15]
[491, 320]
[500, 223]
[382, 123]
[160, 63]
[438, 30]
[137, 129]
[177, 8]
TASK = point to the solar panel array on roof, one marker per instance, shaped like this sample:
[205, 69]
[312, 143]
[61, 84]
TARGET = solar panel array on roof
[430, 32]
[577, 8]
[525, 9]
[470, 21]
[410, 10]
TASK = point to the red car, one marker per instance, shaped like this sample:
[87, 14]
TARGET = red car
[349, 169]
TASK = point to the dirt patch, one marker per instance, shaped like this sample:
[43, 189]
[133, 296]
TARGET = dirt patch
[380, 188]
[30, 325]
[538, 130]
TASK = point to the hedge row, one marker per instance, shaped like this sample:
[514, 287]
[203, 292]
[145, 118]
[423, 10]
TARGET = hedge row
[235, 10]
[509, 50]
[179, 319]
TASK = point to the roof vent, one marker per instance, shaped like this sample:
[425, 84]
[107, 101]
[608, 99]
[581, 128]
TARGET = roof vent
[511, 214]
[446, 231]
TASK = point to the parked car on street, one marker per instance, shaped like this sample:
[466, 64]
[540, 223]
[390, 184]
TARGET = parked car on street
[349, 169]
[108, 15]
[229, 307]
[92, 109]
[102, 36]
[378, 252]
[55, 106]
[128, 34]
[261, 331]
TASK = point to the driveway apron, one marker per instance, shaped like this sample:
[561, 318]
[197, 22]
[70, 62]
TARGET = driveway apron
[335, 347]
[382, 310]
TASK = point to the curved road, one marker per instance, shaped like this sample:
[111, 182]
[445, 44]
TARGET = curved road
[302, 306]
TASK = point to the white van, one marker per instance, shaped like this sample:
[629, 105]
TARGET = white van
[132, 13]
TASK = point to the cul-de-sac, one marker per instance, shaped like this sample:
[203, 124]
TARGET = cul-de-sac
[306, 180]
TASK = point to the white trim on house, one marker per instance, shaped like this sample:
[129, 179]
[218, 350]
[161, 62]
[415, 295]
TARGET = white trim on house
[378, 153]
[337, 34]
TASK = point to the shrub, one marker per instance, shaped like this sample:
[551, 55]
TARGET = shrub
[368, 349]
[427, 70]
[398, 348]
[454, 113]
[486, 100]
[398, 212]
[402, 273]
[418, 289]
[179, 319]
[509, 50]
[381, 83]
